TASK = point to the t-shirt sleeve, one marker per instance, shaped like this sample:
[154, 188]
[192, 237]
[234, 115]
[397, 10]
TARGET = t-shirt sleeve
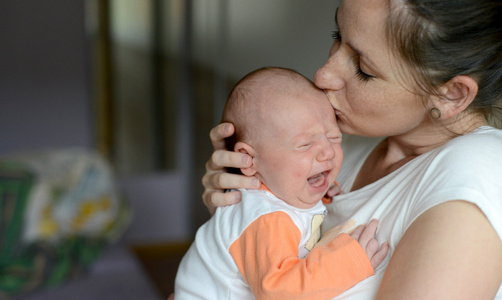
[267, 256]
[469, 170]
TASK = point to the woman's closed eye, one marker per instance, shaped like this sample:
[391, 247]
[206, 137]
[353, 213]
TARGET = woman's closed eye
[361, 75]
[359, 72]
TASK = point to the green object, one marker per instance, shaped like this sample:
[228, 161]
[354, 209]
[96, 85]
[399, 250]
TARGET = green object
[47, 259]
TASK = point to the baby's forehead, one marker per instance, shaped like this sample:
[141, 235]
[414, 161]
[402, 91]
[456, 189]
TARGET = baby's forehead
[274, 90]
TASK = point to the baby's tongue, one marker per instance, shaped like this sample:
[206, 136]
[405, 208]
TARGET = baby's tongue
[316, 180]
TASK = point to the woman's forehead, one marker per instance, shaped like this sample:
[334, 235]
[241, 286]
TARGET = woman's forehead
[363, 27]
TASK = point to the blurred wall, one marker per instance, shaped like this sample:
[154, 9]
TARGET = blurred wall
[45, 84]
[44, 91]
[290, 33]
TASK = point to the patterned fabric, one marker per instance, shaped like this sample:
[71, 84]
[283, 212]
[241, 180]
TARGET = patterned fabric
[58, 210]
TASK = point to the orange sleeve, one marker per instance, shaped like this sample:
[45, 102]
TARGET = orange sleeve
[267, 256]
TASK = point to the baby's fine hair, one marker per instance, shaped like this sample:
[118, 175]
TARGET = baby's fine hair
[241, 104]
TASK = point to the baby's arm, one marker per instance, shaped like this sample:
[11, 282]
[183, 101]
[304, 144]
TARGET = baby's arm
[267, 257]
[365, 236]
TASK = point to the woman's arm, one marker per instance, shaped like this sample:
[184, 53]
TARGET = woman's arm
[216, 179]
[450, 252]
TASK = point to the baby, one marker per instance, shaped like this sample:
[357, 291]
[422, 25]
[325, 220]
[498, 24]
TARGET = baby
[263, 247]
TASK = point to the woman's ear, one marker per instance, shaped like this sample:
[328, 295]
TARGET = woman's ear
[458, 93]
[249, 150]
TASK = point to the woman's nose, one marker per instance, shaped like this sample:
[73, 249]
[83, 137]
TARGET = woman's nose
[328, 76]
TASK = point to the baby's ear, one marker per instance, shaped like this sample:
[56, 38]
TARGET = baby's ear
[249, 150]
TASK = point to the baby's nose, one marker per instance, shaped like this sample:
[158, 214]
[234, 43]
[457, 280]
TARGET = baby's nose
[326, 152]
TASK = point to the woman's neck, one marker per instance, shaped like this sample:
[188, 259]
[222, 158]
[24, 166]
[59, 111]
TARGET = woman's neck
[395, 151]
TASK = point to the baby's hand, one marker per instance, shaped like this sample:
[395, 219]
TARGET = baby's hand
[334, 189]
[365, 236]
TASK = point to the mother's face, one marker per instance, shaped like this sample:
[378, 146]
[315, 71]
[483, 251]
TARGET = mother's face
[360, 76]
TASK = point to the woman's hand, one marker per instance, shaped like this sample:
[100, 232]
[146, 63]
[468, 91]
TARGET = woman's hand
[216, 179]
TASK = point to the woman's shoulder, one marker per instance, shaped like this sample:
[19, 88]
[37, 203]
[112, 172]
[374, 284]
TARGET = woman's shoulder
[483, 133]
[478, 152]
[470, 166]
[476, 144]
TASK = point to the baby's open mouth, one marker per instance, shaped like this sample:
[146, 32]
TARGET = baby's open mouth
[318, 179]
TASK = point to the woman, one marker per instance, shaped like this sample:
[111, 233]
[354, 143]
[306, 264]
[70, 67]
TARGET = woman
[427, 76]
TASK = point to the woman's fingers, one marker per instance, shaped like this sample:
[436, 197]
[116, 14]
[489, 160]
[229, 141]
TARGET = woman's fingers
[220, 180]
[221, 159]
[216, 183]
[214, 199]
[216, 179]
[219, 133]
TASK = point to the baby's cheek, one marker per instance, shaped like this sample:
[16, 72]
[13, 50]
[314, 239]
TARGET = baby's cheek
[298, 175]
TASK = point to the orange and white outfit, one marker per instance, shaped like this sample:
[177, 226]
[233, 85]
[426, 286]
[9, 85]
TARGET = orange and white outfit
[258, 249]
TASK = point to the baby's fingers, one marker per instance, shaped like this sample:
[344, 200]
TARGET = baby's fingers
[379, 255]
[357, 232]
[364, 234]
[335, 189]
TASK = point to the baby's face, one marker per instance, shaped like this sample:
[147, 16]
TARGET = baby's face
[300, 153]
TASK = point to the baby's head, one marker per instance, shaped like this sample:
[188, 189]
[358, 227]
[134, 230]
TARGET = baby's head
[287, 125]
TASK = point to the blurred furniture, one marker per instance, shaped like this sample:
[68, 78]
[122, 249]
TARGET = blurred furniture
[61, 217]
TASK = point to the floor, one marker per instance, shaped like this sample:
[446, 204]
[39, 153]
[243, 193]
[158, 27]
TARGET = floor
[117, 274]
[161, 262]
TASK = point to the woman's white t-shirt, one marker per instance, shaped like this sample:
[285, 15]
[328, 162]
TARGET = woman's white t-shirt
[468, 167]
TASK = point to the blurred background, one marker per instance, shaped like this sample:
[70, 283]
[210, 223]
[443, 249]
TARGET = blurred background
[142, 82]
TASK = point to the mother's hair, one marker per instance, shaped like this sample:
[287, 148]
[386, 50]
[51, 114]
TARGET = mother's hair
[443, 39]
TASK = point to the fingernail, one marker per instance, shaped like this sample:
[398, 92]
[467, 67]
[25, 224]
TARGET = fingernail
[245, 160]
[256, 183]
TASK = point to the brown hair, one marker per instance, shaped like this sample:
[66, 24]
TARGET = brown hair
[442, 39]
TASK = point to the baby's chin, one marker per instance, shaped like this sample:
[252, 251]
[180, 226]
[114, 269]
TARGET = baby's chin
[309, 199]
